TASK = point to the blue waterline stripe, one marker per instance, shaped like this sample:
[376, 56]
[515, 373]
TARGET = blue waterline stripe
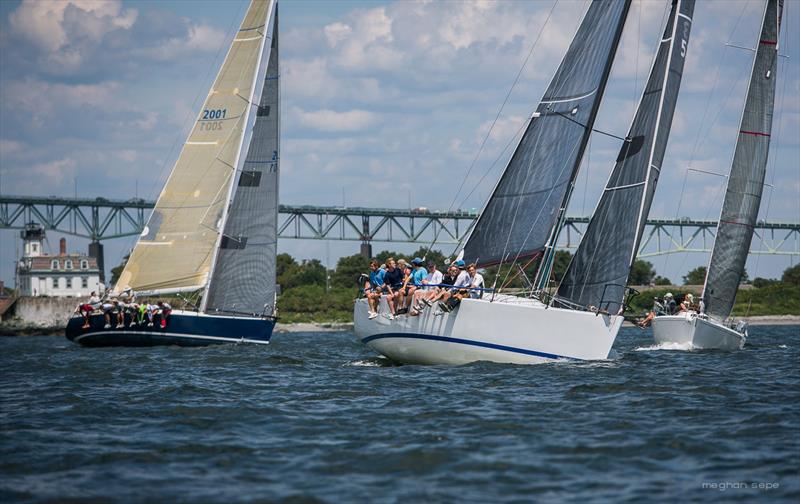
[466, 342]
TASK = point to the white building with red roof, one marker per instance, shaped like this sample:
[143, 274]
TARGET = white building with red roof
[62, 275]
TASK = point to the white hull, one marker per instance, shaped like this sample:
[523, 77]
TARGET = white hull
[507, 330]
[701, 333]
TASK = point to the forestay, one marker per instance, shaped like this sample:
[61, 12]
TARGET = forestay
[599, 270]
[746, 179]
[523, 207]
[243, 279]
[176, 248]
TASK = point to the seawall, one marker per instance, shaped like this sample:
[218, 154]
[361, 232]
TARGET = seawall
[42, 312]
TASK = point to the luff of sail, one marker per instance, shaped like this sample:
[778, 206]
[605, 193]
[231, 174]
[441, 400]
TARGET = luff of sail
[598, 273]
[746, 179]
[243, 279]
[519, 216]
[176, 248]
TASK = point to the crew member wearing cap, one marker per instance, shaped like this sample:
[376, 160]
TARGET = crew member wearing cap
[669, 304]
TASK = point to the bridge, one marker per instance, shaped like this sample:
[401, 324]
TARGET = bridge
[103, 219]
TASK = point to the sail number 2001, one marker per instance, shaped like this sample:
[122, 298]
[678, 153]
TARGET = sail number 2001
[214, 114]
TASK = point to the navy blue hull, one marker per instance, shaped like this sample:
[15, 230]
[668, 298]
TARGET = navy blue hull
[182, 330]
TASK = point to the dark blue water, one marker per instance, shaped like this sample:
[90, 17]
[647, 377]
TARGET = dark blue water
[316, 418]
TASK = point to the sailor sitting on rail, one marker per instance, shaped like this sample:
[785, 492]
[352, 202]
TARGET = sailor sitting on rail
[373, 287]
[88, 307]
[425, 296]
[414, 281]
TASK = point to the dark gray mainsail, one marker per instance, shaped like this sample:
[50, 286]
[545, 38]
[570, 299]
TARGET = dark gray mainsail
[746, 179]
[243, 281]
[598, 272]
[520, 214]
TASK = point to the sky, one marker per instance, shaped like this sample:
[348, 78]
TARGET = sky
[384, 103]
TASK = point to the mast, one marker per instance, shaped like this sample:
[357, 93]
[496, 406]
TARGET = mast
[519, 216]
[748, 170]
[598, 273]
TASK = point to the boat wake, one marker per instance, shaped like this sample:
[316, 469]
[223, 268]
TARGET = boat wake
[686, 347]
[371, 362]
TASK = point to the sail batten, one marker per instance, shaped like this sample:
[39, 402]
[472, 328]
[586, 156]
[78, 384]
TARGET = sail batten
[519, 216]
[598, 272]
[748, 171]
[187, 218]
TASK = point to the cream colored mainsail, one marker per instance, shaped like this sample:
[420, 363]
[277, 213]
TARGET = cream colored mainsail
[176, 249]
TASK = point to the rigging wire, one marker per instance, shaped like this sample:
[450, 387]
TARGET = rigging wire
[190, 113]
[494, 122]
[701, 138]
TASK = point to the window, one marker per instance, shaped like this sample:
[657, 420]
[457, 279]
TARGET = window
[84, 283]
[34, 247]
[54, 264]
[69, 282]
[84, 264]
[67, 264]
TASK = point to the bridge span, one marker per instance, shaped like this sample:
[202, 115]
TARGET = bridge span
[103, 219]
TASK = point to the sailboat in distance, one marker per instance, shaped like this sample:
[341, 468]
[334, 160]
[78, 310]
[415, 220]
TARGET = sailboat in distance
[710, 327]
[214, 226]
[525, 213]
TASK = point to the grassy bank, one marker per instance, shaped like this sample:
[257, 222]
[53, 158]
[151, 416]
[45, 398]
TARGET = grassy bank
[310, 303]
[777, 299]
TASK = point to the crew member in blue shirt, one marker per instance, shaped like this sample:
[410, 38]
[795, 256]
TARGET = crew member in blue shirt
[373, 287]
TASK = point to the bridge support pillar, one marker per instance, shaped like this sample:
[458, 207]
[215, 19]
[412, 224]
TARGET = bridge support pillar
[96, 251]
[366, 250]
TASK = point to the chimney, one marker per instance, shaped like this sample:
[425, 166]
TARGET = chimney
[62, 247]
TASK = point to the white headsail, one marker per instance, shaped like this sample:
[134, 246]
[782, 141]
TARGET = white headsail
[177, 247]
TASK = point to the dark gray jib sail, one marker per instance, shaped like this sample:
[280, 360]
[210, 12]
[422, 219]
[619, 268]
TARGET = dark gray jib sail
[520, 214]
[598, 272]
[746, 179]
[243, 281]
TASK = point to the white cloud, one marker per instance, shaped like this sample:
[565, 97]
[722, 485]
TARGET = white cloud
[336, 33]
[42, 22]
[330, 120]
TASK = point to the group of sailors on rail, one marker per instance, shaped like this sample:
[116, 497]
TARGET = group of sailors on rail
[669, 306]
[144, 314]
[411, 288]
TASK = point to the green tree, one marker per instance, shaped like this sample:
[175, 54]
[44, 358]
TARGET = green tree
[760, 282]
[348, 268]
[791, 275]
[307, 272]
[695, 277]
[430, 255]
[117, 270]
[659, 280]
[385, 254]
[283, 263]
[642, 273]
[560, 264]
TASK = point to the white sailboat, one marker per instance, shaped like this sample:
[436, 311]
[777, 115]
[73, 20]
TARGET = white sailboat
[214, 226]
[524, 215]
[711, 328]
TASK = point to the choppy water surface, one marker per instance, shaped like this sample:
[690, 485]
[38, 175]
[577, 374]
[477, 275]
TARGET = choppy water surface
[317, 418]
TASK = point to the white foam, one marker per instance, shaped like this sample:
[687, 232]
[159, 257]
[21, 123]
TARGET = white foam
[671, 345]
[366, 363]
